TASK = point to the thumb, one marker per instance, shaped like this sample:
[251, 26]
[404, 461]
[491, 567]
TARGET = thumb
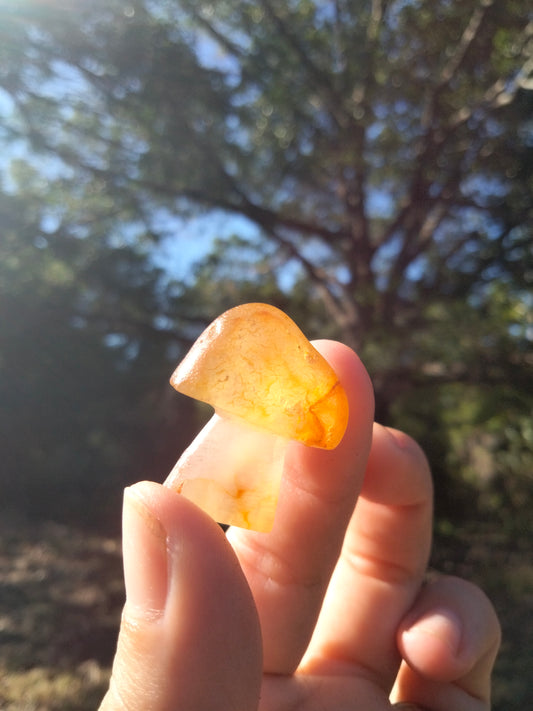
[189, 636]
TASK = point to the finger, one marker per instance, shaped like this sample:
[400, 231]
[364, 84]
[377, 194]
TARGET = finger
[289, 568]
[381, 566]
[321, 693]
[449, 640]
[189, 636]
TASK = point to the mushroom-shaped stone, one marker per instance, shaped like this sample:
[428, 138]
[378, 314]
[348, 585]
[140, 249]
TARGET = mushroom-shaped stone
[268, 385]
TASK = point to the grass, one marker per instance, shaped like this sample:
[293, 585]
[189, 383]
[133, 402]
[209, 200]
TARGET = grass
[61, 595]
[46, 689]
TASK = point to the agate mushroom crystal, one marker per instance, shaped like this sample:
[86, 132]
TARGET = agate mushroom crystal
[268, 385]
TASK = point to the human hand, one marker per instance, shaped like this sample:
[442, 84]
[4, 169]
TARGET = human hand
[328, 611]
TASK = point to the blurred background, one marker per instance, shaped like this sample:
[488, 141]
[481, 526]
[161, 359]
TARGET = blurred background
[365, 166]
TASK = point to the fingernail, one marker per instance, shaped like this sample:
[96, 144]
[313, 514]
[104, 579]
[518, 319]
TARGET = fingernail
[145, 555]
[441, 624]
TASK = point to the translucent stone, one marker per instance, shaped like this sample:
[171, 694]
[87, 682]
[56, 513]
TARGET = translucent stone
[268, 385]
[233, 473]
[254, 363]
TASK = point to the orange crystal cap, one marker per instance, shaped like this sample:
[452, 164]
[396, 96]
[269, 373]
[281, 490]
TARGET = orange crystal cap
[253, 363]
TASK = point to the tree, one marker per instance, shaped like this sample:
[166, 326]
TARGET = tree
[82, 372]
[379, 153]
[369, 142]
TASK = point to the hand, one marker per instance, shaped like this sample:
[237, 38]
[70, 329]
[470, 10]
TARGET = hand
[327, 612]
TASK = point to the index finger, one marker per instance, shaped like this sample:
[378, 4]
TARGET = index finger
[289, 568]
[382, 564]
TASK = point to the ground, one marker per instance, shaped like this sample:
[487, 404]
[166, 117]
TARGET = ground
[61, 594]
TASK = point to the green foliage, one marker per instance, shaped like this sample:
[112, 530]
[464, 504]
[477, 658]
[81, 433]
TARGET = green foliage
[79, 375]
[378, 159]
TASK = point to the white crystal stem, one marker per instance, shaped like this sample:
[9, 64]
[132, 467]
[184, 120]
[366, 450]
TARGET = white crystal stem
[233, 472]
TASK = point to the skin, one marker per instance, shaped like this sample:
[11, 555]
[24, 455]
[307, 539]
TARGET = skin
[328, 612]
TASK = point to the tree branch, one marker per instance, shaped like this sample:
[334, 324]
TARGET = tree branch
[318, 78]
[468, 37]
[220, 38]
